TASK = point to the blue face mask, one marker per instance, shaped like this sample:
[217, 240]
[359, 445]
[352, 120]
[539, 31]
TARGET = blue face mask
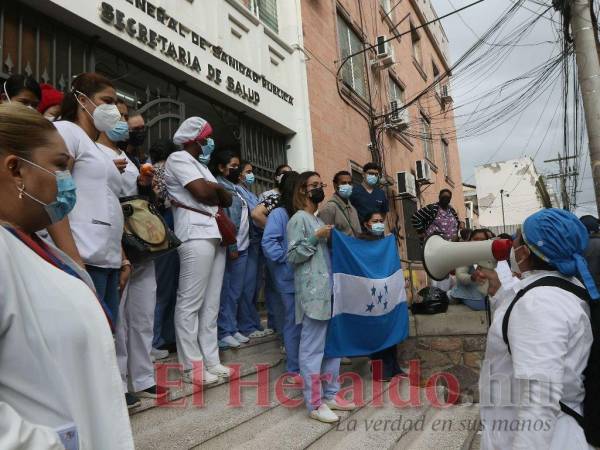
[208, 148]
[66, 194]
[378, 228]
[345, 190]
[250, 178]
[204, 159]
[119, 133]
[372, 180]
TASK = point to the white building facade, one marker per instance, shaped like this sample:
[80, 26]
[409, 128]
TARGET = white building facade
[235, 62]
[508, 192]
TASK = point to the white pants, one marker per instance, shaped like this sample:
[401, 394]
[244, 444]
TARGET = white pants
[201, 268]
[135, 329]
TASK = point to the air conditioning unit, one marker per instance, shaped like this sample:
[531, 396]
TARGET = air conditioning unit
[397, 118]
[384, 54]
[445, 94]
[423, 171]
[406, 184]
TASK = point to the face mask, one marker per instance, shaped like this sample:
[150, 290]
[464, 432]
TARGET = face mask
[50, 118]
[372, 180]
[278, 178]
[317, 195]
[66, 194]
[378, 228]
[234, 174]
[250, 179]
[345, 190]
[514, 264]
[444, 201]
[105, 116]
[120, 133]
[204, 159]
[209, 147]
[137, 137]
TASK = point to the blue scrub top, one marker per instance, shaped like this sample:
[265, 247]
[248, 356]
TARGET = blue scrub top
[366, 203]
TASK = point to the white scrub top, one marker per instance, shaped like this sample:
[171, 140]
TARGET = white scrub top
[97, 219]
[550, 338]
[129, 177]
[181, 169]
[57, 358]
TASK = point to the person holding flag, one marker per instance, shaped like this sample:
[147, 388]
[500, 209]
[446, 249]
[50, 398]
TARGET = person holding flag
[309, 256]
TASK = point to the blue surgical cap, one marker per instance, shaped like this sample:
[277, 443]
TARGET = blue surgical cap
[559, 238]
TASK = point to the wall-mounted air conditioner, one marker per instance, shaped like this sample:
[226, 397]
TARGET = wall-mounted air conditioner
[445, 94]
[397, 118]
[407, 185]
[384, 54]
[423, 171]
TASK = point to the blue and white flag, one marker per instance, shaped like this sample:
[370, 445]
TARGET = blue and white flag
[369, 301]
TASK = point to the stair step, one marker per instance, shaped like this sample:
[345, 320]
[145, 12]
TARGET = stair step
[449, 428]
[246, 355]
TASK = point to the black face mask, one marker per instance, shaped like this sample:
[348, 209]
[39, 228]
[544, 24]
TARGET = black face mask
[137, 137]
[122, 145]
[444, 201]
[234, 175]
[317, 195]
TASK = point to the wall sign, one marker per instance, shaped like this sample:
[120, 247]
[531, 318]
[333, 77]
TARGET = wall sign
[186, 56]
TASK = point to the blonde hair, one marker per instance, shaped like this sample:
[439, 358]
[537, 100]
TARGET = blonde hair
[22, 130]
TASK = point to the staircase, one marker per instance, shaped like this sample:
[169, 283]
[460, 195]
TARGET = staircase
[276, 425]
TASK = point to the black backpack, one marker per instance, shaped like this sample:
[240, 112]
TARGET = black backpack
[590, 421]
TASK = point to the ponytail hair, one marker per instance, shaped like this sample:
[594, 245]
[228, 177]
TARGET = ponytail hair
[88, 83]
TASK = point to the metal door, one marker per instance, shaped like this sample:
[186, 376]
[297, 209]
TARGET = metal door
[162, 117]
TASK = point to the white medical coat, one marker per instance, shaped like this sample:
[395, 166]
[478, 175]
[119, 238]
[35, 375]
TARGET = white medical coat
[57, 358]
[550, 338]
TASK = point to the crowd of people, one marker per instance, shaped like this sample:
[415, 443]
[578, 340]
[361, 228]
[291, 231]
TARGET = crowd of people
[67, 167]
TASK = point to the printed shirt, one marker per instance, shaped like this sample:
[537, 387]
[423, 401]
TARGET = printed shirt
[271, 202]
[444, 224]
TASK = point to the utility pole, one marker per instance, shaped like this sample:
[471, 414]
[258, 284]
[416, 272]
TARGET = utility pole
[588, 73]
[502, 204]
[562, 174]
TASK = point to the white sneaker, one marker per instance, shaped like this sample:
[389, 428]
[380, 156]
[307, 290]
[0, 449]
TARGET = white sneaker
[268, 331]
[256, 334]
[241, 338]
[345, 406]
[207, 378]
[157, 354]
[230, 341]
[324, 414]
[219, 370]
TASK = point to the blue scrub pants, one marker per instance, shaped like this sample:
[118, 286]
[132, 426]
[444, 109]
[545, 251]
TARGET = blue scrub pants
[291, 333]
[231, 293]
[248, 319]
[313, 362]
[106, 282]
[167, 280]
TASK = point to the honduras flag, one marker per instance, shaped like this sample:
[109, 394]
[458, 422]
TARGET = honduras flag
[369, 301]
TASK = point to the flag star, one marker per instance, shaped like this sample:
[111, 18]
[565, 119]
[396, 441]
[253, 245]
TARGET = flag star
[373, 291]
[370, 307]
[380, 297]
[385, 305]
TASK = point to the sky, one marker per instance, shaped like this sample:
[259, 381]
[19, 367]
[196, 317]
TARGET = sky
[533, 131]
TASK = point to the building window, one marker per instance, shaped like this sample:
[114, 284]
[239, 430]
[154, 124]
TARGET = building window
[396, 92]
[353, 72]
[446, 157]
[266, 11]
[436, 72]
[416, 44]
[427, 139]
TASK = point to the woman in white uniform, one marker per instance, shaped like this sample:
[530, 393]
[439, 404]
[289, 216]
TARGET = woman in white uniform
[195, 196]
[549, 334]
[96, 223]
[135, 329]
[59, 382]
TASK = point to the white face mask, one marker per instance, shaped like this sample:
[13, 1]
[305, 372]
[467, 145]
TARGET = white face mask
[105, 116]
[514, 264]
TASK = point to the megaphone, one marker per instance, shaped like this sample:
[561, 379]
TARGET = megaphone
[440, 257]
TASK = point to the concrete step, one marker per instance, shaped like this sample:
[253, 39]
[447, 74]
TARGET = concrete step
[245, 355]
[450, 428]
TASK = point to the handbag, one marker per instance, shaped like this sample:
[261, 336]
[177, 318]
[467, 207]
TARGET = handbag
[226, 226]
[146, 235]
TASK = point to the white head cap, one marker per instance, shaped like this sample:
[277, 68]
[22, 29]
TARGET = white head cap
[192, 129]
